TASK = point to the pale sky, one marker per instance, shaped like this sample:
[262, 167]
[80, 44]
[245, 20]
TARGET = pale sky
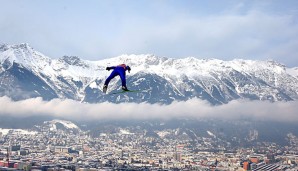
[99, 29]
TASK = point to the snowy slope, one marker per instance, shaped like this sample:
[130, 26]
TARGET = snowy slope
[16, 132]
[161, 79]
[293, 71]
[67, 124]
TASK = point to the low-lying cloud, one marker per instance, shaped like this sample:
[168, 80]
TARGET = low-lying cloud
[193, 108]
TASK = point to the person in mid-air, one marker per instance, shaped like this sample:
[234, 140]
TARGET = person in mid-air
[117, 70]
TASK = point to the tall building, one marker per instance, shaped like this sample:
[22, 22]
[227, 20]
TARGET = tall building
[177, 156]
[59, 149]
[246, 165]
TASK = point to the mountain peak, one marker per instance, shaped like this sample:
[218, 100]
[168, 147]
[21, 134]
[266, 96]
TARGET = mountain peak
[22, 46]
[4, 47]
[24, 55]
[72, 60]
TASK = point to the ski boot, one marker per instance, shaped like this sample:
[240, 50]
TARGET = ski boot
[105, 87]
[124, 88]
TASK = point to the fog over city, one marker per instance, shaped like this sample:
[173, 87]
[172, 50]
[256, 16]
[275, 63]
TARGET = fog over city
[193, 108]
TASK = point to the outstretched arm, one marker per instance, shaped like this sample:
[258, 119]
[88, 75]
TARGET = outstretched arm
[109, 68]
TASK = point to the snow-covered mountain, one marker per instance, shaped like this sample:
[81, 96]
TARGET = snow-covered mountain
[66, 124]
[26, 73]
[16, 132]
[58, 125]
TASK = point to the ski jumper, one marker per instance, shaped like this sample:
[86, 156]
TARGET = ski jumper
[118, 70]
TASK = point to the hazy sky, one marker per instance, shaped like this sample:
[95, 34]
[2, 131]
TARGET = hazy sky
[97, 29]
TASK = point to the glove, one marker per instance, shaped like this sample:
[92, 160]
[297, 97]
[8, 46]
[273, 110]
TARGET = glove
[108, 68]
[128, 69]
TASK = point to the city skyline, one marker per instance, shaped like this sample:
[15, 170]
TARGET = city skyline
[151, 145]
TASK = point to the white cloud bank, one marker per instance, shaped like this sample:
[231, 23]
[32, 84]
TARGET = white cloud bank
[74, 110]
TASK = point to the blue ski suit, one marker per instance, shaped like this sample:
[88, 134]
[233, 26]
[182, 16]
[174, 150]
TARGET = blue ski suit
[118, 70]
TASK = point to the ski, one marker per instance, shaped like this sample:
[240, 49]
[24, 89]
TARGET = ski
[119, 92]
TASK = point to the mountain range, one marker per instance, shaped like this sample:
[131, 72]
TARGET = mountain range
[26, 73]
